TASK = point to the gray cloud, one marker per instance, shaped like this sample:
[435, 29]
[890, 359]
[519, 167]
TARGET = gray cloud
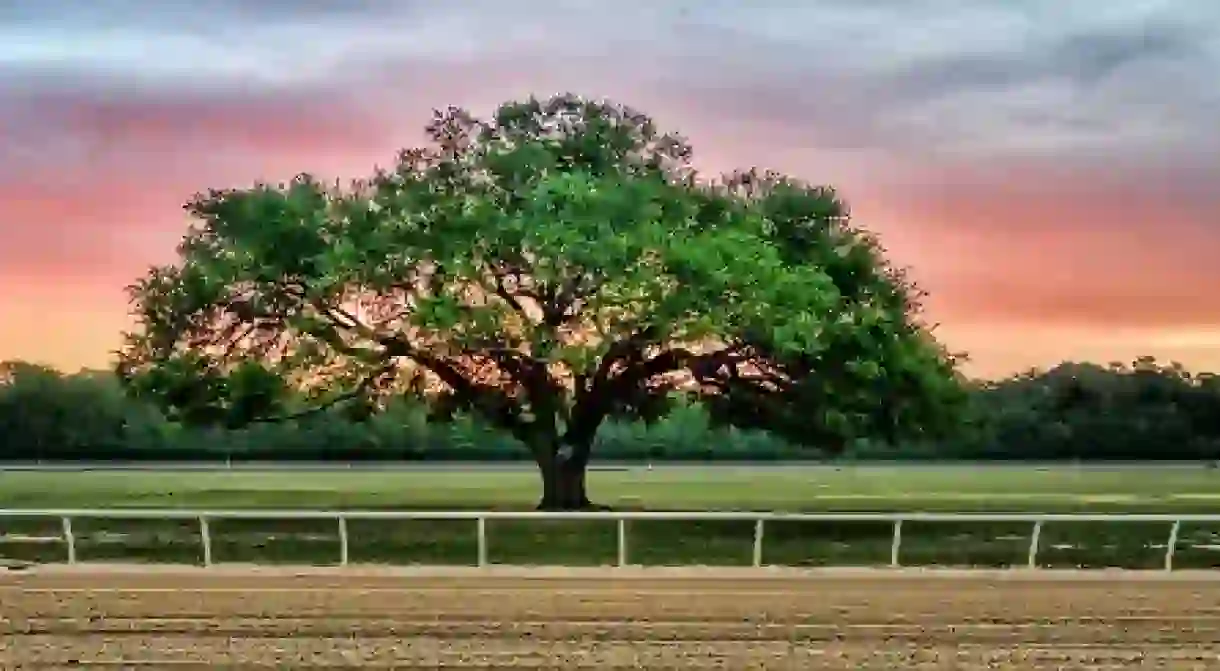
[960, 78]
[1026, 78]
[195, 15]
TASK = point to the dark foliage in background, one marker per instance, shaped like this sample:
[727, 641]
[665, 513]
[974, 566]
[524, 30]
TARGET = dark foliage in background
[1086, 412]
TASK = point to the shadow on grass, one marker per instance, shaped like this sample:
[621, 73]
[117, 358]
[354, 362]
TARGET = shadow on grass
[407, 542]
[31, 540]
[1198, 546]
[1130, 545]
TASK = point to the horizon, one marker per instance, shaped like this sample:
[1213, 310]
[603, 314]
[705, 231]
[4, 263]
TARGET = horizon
[1043, 169]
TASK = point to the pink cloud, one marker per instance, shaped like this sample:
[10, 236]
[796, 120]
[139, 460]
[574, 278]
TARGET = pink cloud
[1025, 263]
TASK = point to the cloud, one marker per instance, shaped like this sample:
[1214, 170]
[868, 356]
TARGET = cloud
[980, 78]
[1040, 163]
[1038, 78]
[95, 170]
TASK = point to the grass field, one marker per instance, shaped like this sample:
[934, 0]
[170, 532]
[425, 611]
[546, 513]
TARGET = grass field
[864, 488]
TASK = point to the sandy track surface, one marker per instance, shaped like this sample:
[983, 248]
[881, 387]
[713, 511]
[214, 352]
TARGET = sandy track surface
[605, 620]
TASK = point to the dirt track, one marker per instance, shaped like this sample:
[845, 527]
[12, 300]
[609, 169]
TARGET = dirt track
[636, 620]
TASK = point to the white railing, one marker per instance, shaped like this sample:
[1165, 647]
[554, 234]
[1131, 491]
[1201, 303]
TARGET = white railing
[760, 519]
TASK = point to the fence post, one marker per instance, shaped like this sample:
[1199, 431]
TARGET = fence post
[758, 542]
[69, 539]
[622, 541]
[481, 530]
[205, 538]
[1034, 538]
[343, 540]
[896, 544]
[1172, 546]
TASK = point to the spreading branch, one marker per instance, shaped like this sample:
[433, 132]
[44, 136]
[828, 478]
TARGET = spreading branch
[546, 268]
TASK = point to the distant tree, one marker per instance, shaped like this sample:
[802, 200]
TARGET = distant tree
[1144, 410]
[547, 269]
[45, 414]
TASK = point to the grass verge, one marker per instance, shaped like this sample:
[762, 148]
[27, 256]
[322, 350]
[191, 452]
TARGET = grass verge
[650, 542]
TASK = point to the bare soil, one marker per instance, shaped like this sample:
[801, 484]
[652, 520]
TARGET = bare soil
[605, 619]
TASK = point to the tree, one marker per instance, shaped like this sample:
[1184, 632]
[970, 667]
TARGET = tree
[549, 268]
[47, 415]
[1144, 410]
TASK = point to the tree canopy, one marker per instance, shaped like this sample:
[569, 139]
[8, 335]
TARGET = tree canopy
[556, 265]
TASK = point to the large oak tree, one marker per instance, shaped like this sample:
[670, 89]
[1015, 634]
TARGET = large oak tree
[547, 268]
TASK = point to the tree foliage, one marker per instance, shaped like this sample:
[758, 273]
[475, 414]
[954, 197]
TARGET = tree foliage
[1120, 411]
[554, 266]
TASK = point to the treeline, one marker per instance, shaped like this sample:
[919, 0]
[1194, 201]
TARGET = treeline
[1142, 411]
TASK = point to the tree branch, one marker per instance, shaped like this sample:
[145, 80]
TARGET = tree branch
[367, 382]
[500, 289]
[596, 399]
[477, 396]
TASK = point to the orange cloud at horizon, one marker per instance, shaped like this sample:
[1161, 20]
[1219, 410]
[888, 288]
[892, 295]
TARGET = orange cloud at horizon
[1008, 285]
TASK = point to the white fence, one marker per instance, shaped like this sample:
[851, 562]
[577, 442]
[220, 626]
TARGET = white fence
[480, 519]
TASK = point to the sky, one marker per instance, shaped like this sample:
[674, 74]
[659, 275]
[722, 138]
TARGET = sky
[1046, 169]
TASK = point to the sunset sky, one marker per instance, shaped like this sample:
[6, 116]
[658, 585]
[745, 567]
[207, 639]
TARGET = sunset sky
[1047, 168]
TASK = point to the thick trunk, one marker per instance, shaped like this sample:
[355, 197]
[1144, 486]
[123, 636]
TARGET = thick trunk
[563, 485]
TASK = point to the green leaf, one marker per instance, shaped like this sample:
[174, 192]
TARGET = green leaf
[516, 257]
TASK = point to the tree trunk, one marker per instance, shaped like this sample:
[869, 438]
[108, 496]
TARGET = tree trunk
[563, 484]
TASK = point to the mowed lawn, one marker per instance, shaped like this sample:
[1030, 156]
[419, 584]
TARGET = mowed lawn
[798, 488]
[1175, 489]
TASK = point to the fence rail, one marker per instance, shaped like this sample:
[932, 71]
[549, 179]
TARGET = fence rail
[480, 518]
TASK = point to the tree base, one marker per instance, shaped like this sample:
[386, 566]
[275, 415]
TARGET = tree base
[564, 489]
[571, 506]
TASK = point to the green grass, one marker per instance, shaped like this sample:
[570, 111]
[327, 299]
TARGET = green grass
[889, 489]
